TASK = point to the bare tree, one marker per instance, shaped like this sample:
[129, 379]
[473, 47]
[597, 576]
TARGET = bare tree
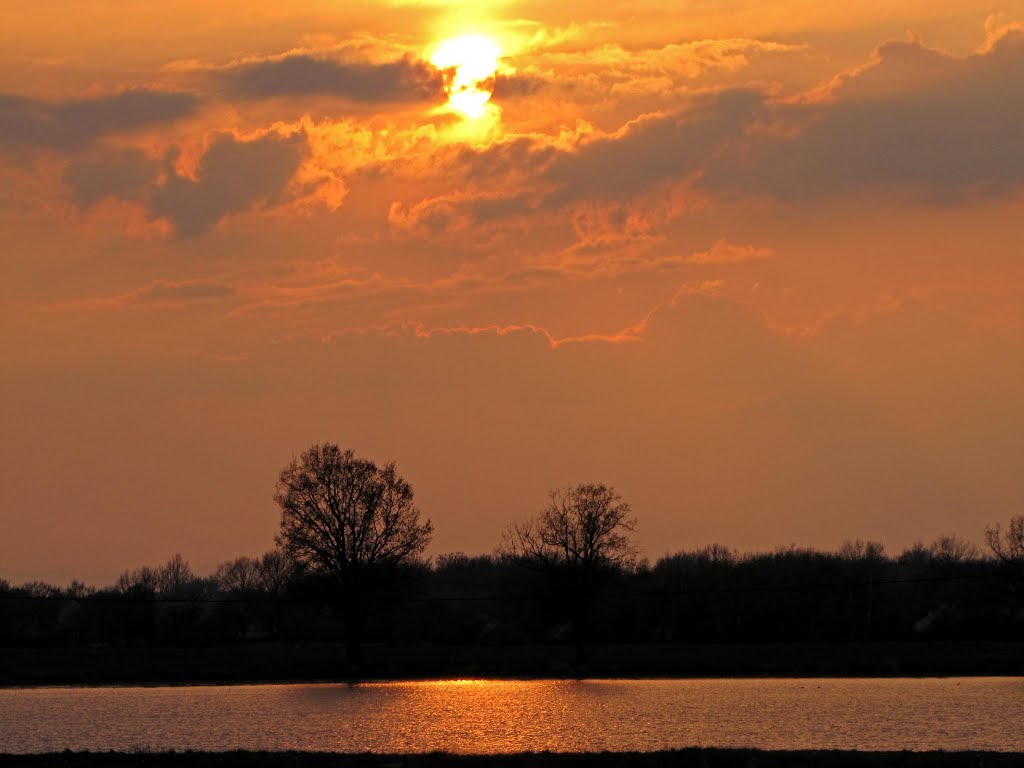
[77, 589]
[274, 570]
[138, 581]
[174, 575]
[582, 537]
[348, 519]
[238, 576]
[717, 553]
[585, 527]
[1007, 545]
[952, 549]
[858, 549]
[171, 578]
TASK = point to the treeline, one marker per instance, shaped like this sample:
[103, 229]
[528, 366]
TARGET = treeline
[349, 568]
[944, 591]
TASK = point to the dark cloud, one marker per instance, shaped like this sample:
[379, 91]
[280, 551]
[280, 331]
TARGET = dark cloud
[518, 85]
[233, 176]
[917, 117]
[125, 174]
[653, 150]
[448, 215]
[77, 123]
[615, 167]
[402, 80]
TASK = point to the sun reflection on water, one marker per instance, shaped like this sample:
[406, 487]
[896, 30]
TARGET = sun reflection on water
[495, 716]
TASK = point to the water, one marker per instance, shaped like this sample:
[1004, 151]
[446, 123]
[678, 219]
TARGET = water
[502, 716]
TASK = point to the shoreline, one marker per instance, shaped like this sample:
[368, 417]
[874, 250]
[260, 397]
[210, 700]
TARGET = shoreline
[703, 757]
[280, 663]
[326, 681]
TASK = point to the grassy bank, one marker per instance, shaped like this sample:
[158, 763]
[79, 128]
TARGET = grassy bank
[698, 758]
[279, 662]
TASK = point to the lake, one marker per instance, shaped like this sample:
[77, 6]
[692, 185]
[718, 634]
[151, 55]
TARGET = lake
[488, 716]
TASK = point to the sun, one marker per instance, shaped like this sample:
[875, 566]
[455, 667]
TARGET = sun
[469, 63]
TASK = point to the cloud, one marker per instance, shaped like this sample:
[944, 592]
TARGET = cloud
[675, 62]
[125, 174]
[73, 124]
[724, 252]
[452, 214]
[537, 173]
[233, 176]
[652, 150]
[914, 117]
[614, 167]
[162, 292]
[520, 84]
[630, 334]
[405, 79]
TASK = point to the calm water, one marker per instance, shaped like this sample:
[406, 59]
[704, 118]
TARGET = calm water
[502, 716]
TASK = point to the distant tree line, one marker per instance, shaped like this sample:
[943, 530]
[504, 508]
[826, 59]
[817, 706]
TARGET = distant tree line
[348, 567]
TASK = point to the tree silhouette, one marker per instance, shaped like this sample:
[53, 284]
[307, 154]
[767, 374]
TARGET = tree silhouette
[350, 520]
[171, 578]
[274, 571]
[1008, 546]
[174, 575]
[580, 539]
[238, 576]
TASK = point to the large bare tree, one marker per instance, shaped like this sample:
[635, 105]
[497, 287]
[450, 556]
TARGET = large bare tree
[350, 520]
[580, 539]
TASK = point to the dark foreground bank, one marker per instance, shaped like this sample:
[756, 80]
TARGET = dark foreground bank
[326, 662]
[698, 758]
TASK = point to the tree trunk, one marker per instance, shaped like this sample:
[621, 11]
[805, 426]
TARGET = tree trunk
[353, 635]
[353, 614]
[581, 649]
[580, 627]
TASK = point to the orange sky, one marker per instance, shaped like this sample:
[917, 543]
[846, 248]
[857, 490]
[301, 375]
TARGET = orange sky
[756, 265]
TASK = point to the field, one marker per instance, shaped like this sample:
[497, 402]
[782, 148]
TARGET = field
[282, 662]
[698, 758]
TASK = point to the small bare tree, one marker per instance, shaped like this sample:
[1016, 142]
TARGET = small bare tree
[139, 581]
[238, 576]
[275, 570]
[348, 519]
[1007, 545]
[580, 539]
[174, 576]
[952, 548]
[858, 549]
[169, 579]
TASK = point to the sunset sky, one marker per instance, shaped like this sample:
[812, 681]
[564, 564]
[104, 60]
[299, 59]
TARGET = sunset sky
[760, 266]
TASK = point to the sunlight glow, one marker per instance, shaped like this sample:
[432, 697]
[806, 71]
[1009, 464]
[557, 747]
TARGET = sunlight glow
[469, 63]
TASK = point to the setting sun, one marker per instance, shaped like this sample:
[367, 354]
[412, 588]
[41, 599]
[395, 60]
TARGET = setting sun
[469, 63]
